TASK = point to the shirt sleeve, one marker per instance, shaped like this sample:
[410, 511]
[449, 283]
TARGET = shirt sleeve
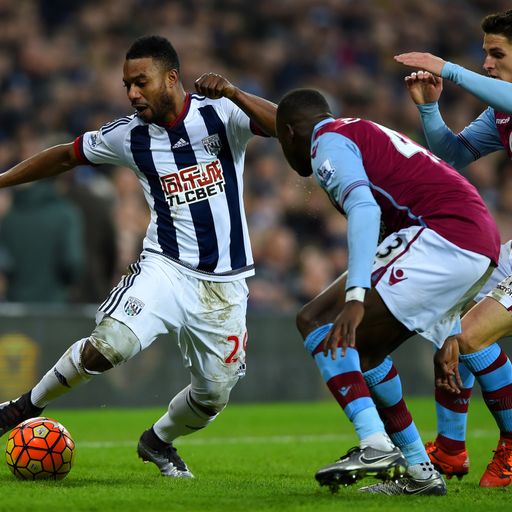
[478, 139]
[493, 92]
[104, 146]
[338, 168]
[239, 123]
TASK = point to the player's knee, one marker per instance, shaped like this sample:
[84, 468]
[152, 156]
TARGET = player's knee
[92, 360]
[213, 397]
[109, 345]
[467, 343]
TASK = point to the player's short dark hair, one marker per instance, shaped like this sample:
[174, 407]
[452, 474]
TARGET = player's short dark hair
[498, 23]
[295, 103]
[156, 47]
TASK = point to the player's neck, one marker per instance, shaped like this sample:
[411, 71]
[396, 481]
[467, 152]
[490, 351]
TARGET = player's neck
[181, 102]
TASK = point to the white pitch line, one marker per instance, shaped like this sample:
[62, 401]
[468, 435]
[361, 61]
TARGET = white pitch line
[229, 440]
[480, 433]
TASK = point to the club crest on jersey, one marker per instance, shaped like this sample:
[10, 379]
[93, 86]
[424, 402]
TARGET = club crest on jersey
[133, 306]
[325, 173]
[212, 144]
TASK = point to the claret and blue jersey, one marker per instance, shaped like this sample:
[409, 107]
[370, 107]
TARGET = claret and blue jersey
[489, 132]
[191, 172]
[378, 176]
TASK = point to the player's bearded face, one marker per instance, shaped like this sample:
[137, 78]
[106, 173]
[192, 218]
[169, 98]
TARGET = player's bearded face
[161, 106]
[149, 90]
[159, 103]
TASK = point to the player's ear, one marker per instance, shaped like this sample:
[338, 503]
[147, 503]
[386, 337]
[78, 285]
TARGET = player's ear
[173, 77]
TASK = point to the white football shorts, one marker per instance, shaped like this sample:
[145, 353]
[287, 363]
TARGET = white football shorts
[499, 285]
[425, 280]
[207, 319]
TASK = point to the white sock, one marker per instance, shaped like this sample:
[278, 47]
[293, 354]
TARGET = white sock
[379, 440]
[62, 378]
[182, 418]
[422, 471]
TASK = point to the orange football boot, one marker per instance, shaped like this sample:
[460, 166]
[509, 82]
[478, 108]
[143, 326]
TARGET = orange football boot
[499, 470]
[449, 464]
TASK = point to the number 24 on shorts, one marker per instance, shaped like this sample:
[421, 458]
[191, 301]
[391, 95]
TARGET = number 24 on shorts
[232, 358]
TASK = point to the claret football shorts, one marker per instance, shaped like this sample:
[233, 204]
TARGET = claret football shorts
[207, 319]
[425, 280]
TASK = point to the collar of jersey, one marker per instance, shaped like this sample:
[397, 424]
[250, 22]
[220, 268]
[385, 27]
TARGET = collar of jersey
[181, 115]
[319, 125]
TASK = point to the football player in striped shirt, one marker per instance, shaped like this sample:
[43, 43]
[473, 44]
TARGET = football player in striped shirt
[187, 150]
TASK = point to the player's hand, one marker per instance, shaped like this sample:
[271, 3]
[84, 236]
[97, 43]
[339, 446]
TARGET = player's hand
[420, 60]
[424, 87]
[214, 86]
[446, 366]
[343, 331]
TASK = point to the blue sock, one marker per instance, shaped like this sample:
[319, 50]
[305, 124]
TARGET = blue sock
[452, 413]
[346, 383]
[386, 389]
[493, 370]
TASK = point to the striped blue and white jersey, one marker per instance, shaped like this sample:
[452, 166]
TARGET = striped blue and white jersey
[191, 172]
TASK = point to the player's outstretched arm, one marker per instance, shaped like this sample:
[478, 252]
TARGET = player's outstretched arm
[52, 161]
[260, 110]
[425, 89]
[496, 93]
[424, 61]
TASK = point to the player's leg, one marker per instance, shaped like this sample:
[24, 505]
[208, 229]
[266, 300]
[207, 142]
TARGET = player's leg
[192, 409]
[343, 377]
[398, 280]
[126, 324]
[213, 345]
[386, 389]
[482, 326]
[448, 452]
[110, 344]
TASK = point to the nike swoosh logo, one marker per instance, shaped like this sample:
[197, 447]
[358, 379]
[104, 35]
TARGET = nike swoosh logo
[417, 490]
[374, 459]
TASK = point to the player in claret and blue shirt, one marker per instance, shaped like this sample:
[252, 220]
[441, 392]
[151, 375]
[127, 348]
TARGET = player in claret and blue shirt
[188, 152]
[490, 320]
[438, 245]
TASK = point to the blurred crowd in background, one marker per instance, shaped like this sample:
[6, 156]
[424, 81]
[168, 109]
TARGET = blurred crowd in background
[68, 240]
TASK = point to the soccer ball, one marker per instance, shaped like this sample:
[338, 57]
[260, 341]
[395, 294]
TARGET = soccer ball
[39, 449]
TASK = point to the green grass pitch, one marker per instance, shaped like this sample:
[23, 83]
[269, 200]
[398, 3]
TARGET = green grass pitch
[255, 457]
